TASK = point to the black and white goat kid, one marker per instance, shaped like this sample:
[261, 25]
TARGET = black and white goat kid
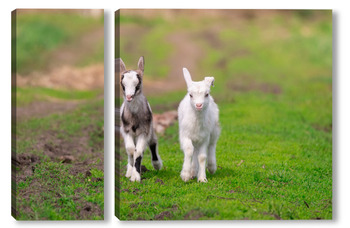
[136, 121]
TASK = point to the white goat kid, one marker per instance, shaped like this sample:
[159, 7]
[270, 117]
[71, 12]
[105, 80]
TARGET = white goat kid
[136, 121]
[198, 128]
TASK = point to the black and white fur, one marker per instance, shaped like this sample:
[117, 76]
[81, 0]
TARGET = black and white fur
[136, 121]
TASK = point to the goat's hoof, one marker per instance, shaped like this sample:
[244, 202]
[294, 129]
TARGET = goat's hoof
[185, 176]
[135, 176]
[128, 171]
[202, 180]
[193, 173]
[157, 165]
[212, 169]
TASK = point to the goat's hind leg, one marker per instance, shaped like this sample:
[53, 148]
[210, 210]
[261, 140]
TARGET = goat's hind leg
[212, 151]
[153, 146]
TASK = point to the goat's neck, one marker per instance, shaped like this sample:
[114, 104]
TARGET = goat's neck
[136, 105]
[201, 116]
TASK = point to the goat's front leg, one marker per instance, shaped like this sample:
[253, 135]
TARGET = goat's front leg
[188, 148]
[140, 147]
[130, 150]
[202, 157]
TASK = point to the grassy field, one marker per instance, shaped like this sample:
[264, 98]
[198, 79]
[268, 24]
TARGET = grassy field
[59, 162]
[273, 86]
[58, 168]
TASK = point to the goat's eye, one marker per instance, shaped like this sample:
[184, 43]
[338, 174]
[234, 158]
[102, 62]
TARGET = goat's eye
[207, 94]
[191, 95]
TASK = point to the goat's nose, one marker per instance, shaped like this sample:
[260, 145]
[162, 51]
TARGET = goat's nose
[199, 105]
[128, 97]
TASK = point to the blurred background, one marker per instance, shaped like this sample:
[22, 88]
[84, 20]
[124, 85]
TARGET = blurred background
[59, 55]
[271, 51]
[273, 86]
[58, 78]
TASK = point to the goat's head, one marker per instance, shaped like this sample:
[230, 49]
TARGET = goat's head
[198, 91]
[131, 80]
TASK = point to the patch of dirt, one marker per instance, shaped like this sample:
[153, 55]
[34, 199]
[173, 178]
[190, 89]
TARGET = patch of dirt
[144, 169]
[276, 216]
[194, 214]
[164, 120]
[88, 210]
[159, 181]
[25, 163]
[73, 149]
[65, 77]
[44, 108]
[319, 127]
[163, 215]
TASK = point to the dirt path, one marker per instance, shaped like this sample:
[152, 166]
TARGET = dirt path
[41, 109]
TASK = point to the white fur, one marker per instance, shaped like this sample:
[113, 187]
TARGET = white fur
[198, 128]
[130, 81]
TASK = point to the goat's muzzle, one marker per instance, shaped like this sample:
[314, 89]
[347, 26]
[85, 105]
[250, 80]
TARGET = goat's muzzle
[129, 97]
[199, 106]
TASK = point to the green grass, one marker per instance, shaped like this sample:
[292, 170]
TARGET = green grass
[33, 49]
[27, 95]
[57, 190]
[274, 154]
[97, 56]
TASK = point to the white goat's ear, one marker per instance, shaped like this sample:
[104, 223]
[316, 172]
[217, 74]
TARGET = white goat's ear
[209, 81]
[187, 76]
[121, 65]
[141, 64]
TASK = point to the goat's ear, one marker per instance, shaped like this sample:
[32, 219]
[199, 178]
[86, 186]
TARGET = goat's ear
[141, 64]
[121, 65]
[187, 76]
[209, 81]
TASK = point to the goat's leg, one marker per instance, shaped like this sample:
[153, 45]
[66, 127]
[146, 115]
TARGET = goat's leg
[202, 157]
[130, 150]
[153, 146]
[211, 158]
[187, 147]
[140, 147]
[211, 150]
[194, 165]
